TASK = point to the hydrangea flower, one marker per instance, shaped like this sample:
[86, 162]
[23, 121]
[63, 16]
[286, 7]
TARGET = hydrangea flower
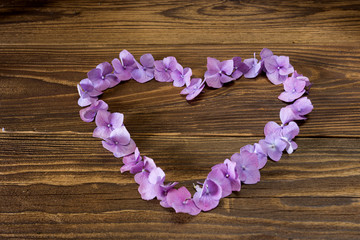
[88, 114]
[288, 133]
[119, 142]
[296, 111]
[207, 197]
[278, 68]
[181, 76]
[124, 66]
[302, 78]
[226, 177]
[149, 186]
[273, 145]
[162, 192]
[87, 92]
[144, 72]
[239, 68]
[257, 149]
[180, 200]
[163, 69]
[254, 67]
[294, 89]
[247, 167]
[102, 76]
[194, 89]
[218, 72]
[146, 167]
[106, 122]
[132, 163]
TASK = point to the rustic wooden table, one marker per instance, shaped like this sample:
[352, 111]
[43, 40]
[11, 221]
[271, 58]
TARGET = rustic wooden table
[57, 182]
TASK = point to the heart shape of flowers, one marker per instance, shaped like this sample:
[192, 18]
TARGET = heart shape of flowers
[243, 167]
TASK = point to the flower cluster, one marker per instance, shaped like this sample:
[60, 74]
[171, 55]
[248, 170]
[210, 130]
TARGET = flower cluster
[243, 167]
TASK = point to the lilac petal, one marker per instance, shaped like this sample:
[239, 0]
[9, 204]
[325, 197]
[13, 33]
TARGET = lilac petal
[265, 53]
[147, 60]
[290, 131]
[254, 67]
[147, 190]
[224, 79]
[162, 76]
[94, 74]
[217, 175]
[283, 61]
[302, 106]
[86, 101]
[208, 197]
[213, 66]
[121, 136]
[286, 71]
[127, 58]
[195, 93]
[227, 66]
[102, 132]
[299, 85]
[271, 127]
[123, 150]
[139, 75]
[159, 65]
[102, 118]
[180, 200]
[287, 114]
[262, 158]
[163, 191]
[271, 65]
[290, 96]
[177, 76]
[116, 64]
[141, 177]
[252, 177]
[274, 77]
[88, 114]
[112, 79]
[105, 68]
[213, 81]
[187, 75]
[170, 63]
[156, 175]
[116, 120]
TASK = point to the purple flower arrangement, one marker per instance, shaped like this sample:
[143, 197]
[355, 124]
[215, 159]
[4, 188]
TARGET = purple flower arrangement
[243, 167]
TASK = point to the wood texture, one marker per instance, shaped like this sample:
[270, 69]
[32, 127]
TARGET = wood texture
[57, 182]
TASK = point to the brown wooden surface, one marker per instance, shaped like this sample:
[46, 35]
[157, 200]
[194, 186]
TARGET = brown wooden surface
[57, 182]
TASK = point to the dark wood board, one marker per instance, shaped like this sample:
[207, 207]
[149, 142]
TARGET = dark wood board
[57, 182]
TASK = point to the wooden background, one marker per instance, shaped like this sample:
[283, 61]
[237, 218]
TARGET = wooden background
[57, 182]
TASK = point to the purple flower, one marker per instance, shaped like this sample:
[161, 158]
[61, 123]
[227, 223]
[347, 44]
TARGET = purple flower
[181, 76]
[239, 68]
[278, 68]
[102, 76]
[265, 54]
[119, 142]
[194, 89]
[88, 94]
[88, 114]
[217, 72]
[144, 72]
[207, 197]
[146, 167]
[302, 78]
[296, 111]
[294, 89]
[124, 66]
[261, 155]
[149, 186]
[180, 200]
[273, 145]
[132, 163]
[254, 67]
[106, 122]
[162, 192]
[226, 177]
[163, 69]
[288, 133]
[247, 166]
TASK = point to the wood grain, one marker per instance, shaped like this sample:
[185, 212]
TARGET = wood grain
[57, 182]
